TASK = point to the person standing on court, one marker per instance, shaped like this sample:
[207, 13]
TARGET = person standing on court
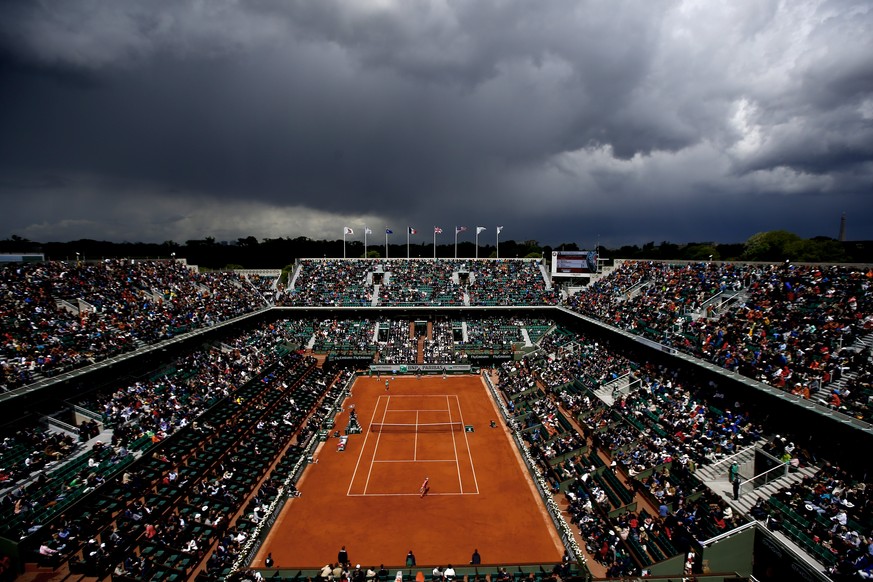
[342, 557]
[410, 559]
[476, 559]
[425, 487]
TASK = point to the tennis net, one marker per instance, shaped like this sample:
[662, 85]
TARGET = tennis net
[417, 428]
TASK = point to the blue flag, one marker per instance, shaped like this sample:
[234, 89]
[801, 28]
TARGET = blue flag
[389, 231]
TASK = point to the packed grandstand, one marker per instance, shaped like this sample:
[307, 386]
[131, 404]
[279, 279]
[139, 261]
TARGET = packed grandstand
[631, 398]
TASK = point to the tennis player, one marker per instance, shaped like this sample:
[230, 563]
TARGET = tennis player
[425, 487]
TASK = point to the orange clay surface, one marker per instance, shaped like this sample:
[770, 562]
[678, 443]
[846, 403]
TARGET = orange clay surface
[367, 497]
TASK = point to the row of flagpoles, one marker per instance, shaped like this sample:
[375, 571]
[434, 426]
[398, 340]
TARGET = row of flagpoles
[347, 231]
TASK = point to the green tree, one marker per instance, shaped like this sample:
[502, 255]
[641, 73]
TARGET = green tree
[700, 252]
[773, 245]
[668, 250]
[815, 251]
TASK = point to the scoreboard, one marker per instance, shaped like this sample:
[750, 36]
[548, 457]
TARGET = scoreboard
[573, 263]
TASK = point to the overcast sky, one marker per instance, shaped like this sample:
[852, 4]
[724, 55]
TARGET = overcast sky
[694, 120]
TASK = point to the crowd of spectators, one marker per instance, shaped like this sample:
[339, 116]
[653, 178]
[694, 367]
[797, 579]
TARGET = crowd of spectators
[179, 504]
[489, 336]
[59, 315]
[650, 298]
[394, 340]
[794, 330]
[141, 415]
[509, 282]
[655, 438]
[683, 426]
[397, 344]
[27, 506]
[267, 285]
[856, 395]
[345, 336]
[440, 347]
[173, 398]
[39, 338]
[31, 450]
[829, 513]
[792, 327]
[331, 282]
[214, 499]
[565, 357]
[421, 282]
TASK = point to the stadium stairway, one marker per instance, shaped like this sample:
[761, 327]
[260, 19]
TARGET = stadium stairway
[526, 337]
[749, 496]
[718, 471]
[293, 277]
[721, 303]
[715, 478]
[546, 278]
[608, 391]
[821, 396]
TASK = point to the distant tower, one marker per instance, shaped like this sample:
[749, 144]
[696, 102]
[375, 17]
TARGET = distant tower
[843, 228]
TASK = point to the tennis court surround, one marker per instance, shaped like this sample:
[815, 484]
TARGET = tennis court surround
[367, 496]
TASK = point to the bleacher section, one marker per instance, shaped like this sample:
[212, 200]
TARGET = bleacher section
[207, 442]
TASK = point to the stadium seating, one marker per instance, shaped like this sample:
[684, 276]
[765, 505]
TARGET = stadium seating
[193, 441]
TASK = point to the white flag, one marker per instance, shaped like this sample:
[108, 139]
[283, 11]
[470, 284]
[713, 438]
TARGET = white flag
[499, 229]
[348, 230]
[367, 230]
[480, 229]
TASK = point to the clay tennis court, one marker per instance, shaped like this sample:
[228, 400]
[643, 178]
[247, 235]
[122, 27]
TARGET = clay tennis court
[368, 499]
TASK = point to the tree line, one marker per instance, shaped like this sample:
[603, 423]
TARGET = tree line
[252, 253]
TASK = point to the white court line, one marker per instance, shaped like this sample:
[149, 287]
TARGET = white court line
[466, 440]
[417, 461]
[415, 444]
[417, 409]
[455, 447]
[364, 445]
[405, 494]
[420, 396]
[370, 472]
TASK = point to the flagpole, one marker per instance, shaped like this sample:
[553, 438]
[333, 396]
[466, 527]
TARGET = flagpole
[434, 243]
[386, 242]
[498, 242]
[477, 242]
[456, 242]
[597, 253]
[407, 243]
[344, 243]
[365, 242]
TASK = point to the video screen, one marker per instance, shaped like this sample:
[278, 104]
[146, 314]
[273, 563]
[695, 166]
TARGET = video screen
[574, 263]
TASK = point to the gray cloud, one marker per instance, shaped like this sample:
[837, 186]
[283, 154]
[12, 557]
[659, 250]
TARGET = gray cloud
[564, 120]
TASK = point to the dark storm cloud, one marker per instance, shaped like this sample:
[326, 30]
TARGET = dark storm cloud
[561, 120]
